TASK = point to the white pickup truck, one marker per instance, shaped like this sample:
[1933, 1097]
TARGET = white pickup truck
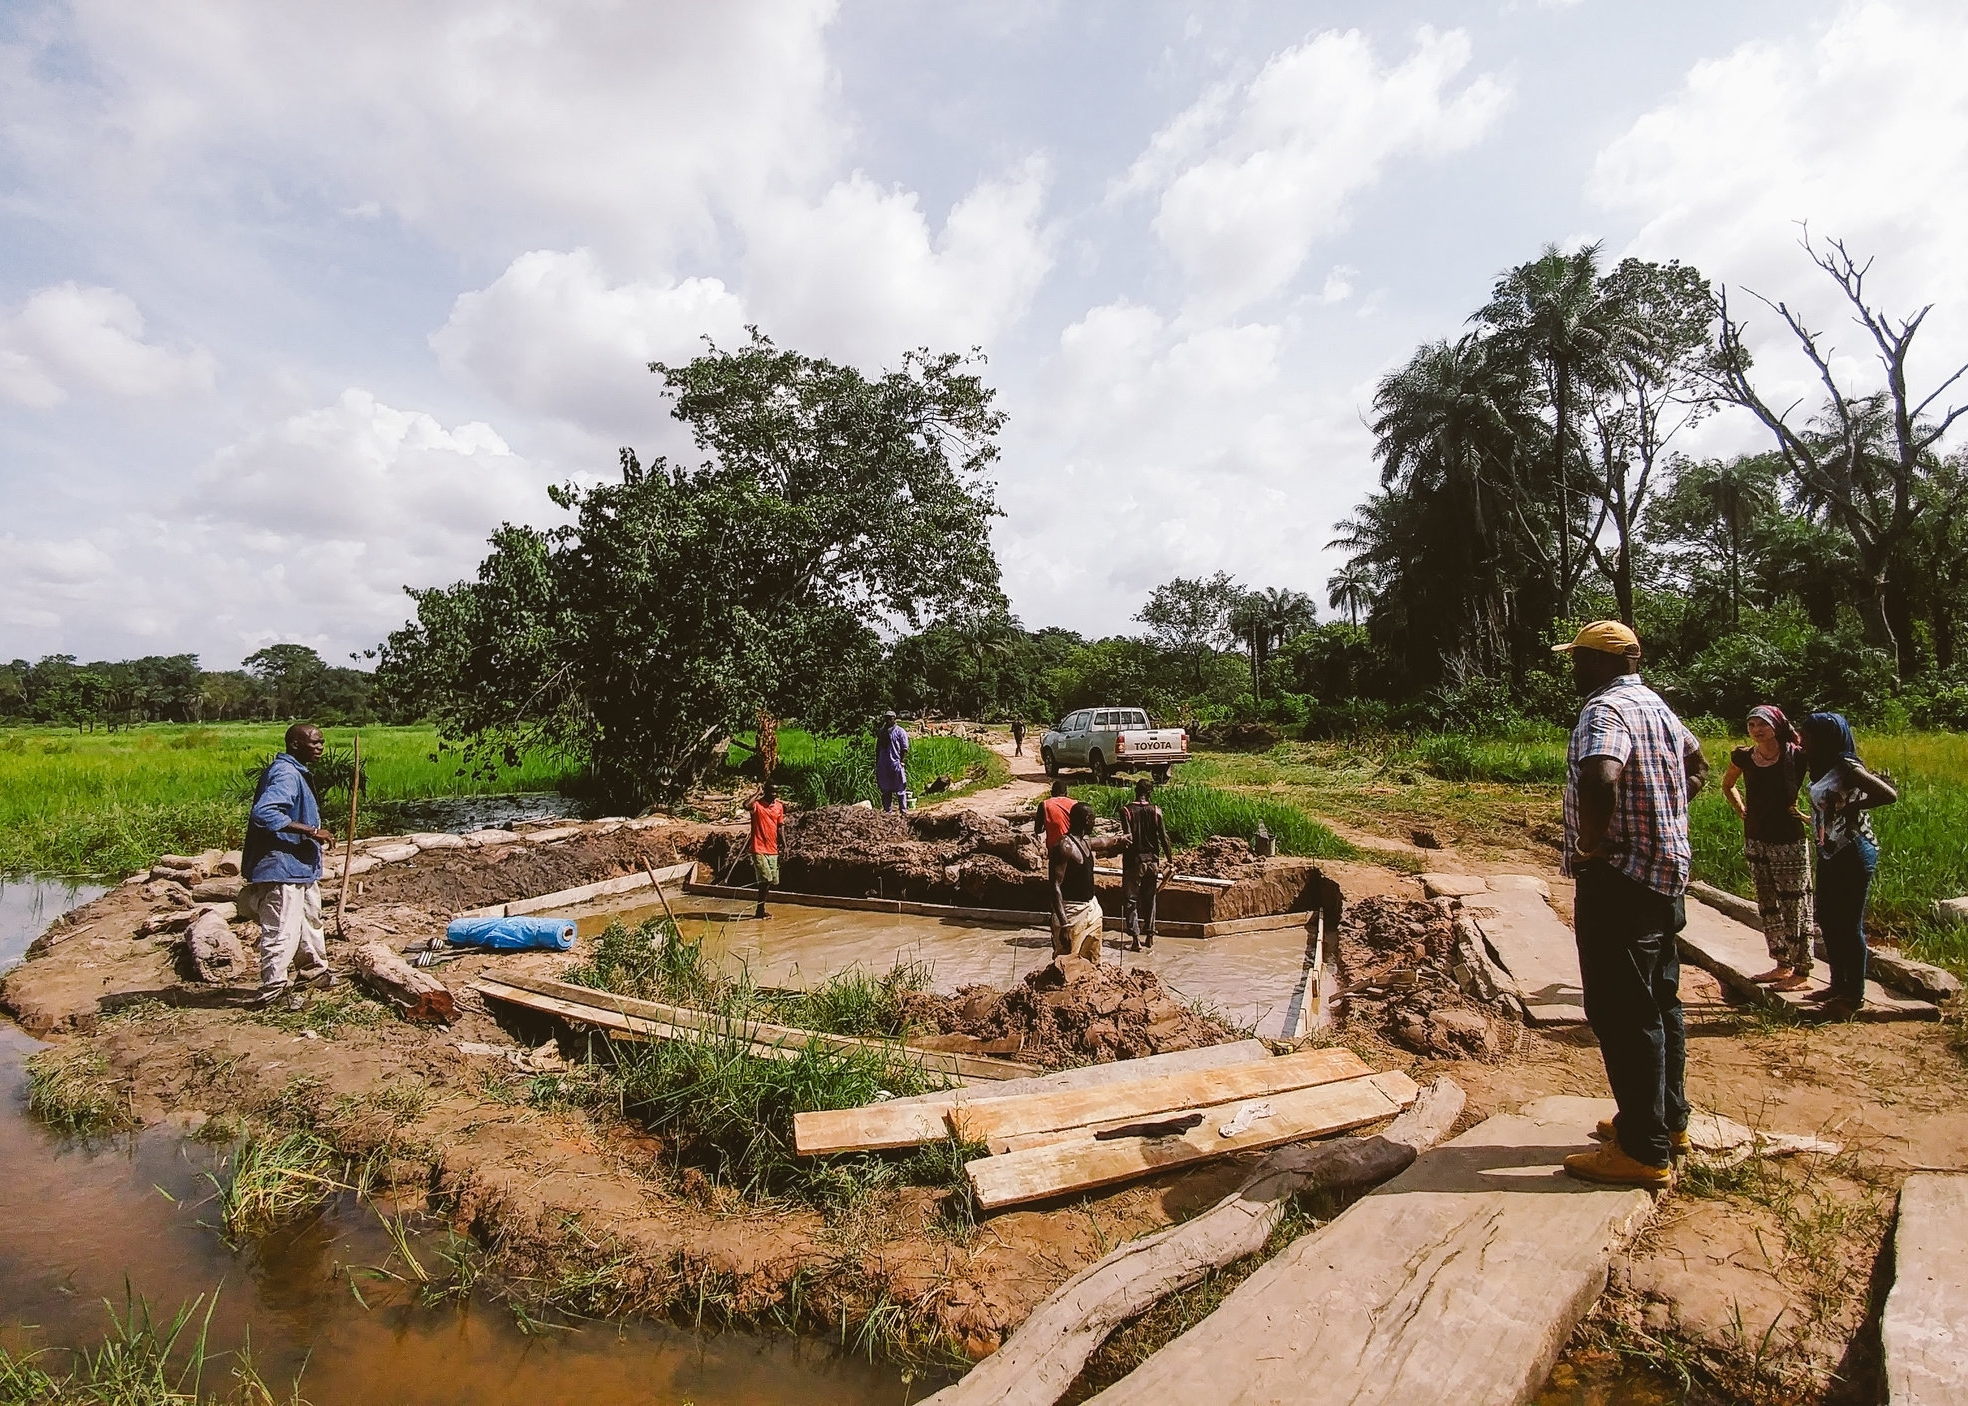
[1106, 740]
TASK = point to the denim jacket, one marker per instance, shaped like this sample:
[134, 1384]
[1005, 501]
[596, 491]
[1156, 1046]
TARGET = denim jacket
[273, 855]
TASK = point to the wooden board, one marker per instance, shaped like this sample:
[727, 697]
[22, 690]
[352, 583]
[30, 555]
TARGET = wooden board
[1922, 1330]
[1733, 952]
[586, 893]
[1534, 945]
[1064, 1168]
[1456, 1282]
[629, 1026]
[762, 1032]
[1149, 1098]
[919, 1118]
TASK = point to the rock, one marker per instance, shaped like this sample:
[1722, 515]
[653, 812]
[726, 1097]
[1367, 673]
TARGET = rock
[1453, 885]
[166, 891]
[213, 952]
[482, 839]
[390, 852]
[229, 862]
[438, 840]
[218, 889]
[1910, 978]
[1951, 910]
[547, 837]
[1450, 1030]
[1503, 883]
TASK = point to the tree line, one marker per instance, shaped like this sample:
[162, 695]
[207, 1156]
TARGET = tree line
[278, 683]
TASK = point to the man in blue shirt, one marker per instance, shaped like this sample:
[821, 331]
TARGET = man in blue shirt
[282, 864]
[892, 763]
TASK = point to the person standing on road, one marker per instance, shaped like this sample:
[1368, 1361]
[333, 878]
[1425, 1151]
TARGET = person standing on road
[1141, 866]
[1771, 769]
[1631, 768]
[892, 764]
[1842, 792]
[281, 860]
[1076, 917]
[768, 814]
[1018, 737]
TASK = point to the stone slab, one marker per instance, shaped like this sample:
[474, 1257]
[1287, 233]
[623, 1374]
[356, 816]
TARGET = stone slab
[1458, 1281]
[1453, 885]
[1924, 1330]
[1733, 952]
[1536, 948]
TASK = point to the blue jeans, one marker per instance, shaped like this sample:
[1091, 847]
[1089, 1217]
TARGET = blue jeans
[1844, 880]
[1631, 971]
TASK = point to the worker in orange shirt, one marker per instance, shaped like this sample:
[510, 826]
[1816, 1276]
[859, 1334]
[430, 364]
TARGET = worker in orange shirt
[1053, 816]
[768, 813]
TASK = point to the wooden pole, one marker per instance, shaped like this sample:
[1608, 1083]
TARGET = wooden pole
[663, 899]
[348, 850]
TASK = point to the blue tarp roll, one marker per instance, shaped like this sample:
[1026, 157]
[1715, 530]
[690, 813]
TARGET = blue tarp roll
[511, 934]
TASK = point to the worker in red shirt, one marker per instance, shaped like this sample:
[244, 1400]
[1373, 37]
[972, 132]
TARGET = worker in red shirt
[768, 813]
[1053, 817]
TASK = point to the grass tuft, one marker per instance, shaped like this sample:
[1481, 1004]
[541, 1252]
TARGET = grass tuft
[140, 1362]
[273, 1182]
[71, 1090]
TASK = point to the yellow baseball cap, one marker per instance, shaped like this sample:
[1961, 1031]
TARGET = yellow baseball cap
[1606, 636]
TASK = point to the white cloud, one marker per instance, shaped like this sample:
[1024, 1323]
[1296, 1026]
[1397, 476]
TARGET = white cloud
[1251, 181]
[68, 338]
[626, 126]
[1858, 126]
[552, 336]
[306, 530]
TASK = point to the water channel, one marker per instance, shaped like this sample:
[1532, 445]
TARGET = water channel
[81, 1220]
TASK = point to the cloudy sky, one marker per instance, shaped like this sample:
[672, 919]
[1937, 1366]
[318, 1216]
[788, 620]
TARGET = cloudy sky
[298, 302]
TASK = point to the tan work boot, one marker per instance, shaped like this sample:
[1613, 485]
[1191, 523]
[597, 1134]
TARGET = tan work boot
[1611, 1165]
[1677, 1142]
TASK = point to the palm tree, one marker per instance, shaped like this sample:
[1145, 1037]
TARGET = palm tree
[1250, 621]
[1351, 589]
[1742, 492]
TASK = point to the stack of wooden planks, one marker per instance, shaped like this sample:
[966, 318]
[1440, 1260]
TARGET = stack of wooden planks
[1141, 1117]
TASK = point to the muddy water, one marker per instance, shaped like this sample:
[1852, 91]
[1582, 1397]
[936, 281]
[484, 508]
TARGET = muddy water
[458, 814]
[28, 904]
[1254, 979]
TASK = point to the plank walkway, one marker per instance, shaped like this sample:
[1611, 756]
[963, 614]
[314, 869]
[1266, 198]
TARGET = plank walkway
[1733, 952]
[1924, 1329]
[1456, 1282]
[1535, 946]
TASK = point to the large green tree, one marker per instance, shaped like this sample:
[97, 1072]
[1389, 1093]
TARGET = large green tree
[681, 601]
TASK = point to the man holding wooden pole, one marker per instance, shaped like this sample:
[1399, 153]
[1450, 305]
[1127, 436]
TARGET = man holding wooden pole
[1141, 867]
[282, 864]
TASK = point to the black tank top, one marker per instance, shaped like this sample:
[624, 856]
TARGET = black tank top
[1076, 862]
[1769, 795]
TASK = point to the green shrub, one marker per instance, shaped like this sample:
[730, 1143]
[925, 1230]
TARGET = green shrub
[1195, 813]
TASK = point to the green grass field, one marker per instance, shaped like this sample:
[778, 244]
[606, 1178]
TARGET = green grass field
[819, 771]
[109, 802]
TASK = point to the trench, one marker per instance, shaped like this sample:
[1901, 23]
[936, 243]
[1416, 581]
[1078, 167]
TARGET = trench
[87, 1221]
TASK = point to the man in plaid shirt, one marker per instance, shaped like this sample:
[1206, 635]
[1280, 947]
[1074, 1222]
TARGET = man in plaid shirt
[1630, 771]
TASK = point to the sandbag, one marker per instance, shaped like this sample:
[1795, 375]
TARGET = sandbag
[511, 934]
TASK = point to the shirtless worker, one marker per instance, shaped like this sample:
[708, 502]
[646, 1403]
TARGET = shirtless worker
[1141, 866]
[1076, 915]
[768, 814]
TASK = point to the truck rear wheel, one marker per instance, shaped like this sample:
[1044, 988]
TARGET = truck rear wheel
[1160, 773]
[1098, 765]
[1051, 762]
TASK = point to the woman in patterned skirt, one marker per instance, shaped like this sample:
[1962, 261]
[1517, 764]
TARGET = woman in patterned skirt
[1761, 785]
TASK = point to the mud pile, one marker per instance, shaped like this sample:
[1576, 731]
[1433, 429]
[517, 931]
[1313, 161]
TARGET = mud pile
[1397, 962]
[946, 856]
[451, 880]
[1074, 1012]
[1219, 857]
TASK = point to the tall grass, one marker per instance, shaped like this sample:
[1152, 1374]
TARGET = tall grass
[822, 771]
[139, 1363]
[1194, 813]
[101, 803]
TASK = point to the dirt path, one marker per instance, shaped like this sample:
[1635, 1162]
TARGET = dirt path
[1028, 780]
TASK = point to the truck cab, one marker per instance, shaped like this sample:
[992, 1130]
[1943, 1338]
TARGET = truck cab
[1108, 740]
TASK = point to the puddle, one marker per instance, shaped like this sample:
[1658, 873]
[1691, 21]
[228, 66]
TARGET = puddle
[28, 904]
[77, 1220]
[458, 814]
[1255, 979]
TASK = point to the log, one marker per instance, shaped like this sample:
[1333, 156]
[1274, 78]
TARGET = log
[1061, 1169]
[213, 952]
[1149, 1098]
[1047, 1352]
[417, 995]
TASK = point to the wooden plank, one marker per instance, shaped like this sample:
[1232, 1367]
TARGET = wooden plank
[1458, 1281]
[1149, 1098]
[1733, 952]
[919, 1118]
[626, 1026]
[568, 898]
[1925, 1345]
[763, 1032]
[1068, 1167]
[1534, 945]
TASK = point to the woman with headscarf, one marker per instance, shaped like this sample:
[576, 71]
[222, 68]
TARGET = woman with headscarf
[1842, 792]
[1761, 786]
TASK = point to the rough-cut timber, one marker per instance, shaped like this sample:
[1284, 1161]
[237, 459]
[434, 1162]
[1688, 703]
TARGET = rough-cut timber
[1156, 1097]
[417, 995]
[1054, 1342]
[1063, 1168]
[1458, 1281]
[1733, 952]
[919, 1118]
[1924, 1330]
[757, 1032]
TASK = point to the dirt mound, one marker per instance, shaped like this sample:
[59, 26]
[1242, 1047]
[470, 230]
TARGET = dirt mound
[1219, 857]
[453, 880]
[1397, 965]
[945, 856]
[1075, 1012]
